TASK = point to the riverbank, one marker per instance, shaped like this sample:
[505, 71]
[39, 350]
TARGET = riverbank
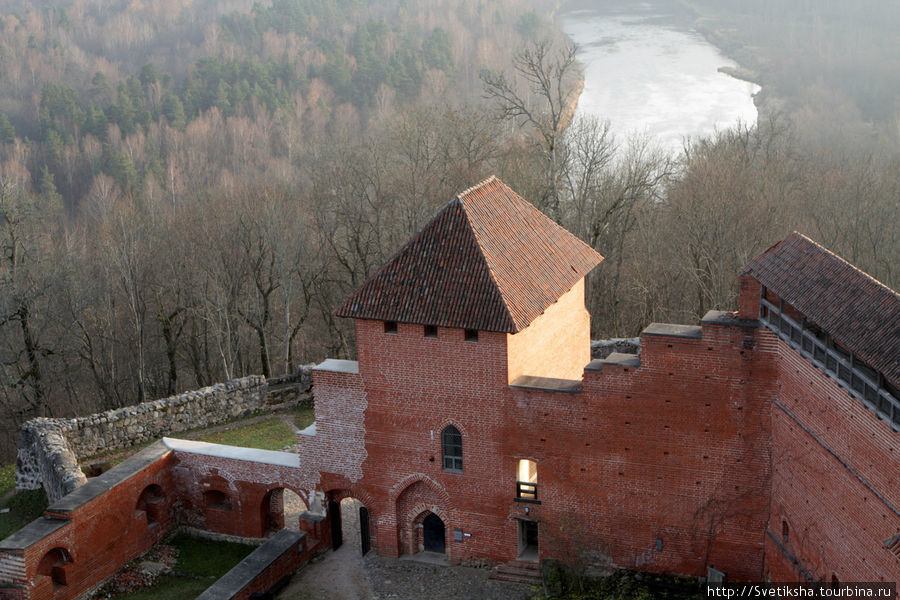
[650, 73]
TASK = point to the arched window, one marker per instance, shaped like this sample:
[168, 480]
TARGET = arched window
[451, 441]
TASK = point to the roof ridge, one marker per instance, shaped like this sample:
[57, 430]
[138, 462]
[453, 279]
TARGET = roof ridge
[477, 186]
[484, 259]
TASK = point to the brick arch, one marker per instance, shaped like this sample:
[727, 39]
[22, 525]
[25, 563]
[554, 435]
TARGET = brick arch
[55, 565]
[401, 486]
[152, 504]
[339, 492]
[419, 497]
[274, 510]
[459, 426]
[219, 483]
[304, 494]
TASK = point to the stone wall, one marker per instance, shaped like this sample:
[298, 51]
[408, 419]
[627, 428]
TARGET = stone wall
[49, 449]
[45, 458]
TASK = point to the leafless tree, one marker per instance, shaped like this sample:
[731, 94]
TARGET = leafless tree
[549, 75]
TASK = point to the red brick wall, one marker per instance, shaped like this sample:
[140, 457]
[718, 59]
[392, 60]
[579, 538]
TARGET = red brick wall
[286, 564]
[103, 534]
[415, 387]
[676, 449]
[748, 297]
[837, 524]
[246, 484]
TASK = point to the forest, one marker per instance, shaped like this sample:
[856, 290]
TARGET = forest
[189, 188]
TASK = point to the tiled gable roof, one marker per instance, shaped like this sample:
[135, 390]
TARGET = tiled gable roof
[488, 260]
[858, 312]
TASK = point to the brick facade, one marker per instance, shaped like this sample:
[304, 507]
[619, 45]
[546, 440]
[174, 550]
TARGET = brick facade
[720, 446]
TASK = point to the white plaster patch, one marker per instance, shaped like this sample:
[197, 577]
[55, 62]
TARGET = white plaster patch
[269, 457]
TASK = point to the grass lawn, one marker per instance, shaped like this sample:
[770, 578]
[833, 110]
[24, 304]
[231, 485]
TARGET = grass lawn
[303, 416]
[200, 564]
[24, 508]
[7, 479]
[270, 434]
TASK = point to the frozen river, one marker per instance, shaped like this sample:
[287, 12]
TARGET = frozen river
[647, 71]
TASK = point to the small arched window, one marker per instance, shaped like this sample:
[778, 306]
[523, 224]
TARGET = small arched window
[451, 442]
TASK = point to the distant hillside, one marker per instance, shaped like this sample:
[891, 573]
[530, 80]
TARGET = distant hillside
[832, 65]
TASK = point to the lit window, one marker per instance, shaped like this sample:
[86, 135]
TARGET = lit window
[526, 480]
[451, 441]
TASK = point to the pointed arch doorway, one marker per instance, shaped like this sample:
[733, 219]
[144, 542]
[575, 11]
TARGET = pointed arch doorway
[434, 534]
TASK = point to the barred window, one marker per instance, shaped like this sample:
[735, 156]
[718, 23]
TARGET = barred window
[451, 441]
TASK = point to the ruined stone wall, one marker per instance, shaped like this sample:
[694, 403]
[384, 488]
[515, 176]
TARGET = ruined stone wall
[45, 458]
[49, 449]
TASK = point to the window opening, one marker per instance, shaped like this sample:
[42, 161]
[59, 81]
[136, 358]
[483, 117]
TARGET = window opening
[526, 480]
[451, 441]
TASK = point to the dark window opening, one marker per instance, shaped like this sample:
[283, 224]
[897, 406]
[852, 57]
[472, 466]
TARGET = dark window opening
[390, 326]
[151, 504]
[785, 531]
[451, 442]
[431, 331]
[471, 335]
[217, 500]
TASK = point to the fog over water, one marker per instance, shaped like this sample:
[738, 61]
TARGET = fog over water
[647, 71]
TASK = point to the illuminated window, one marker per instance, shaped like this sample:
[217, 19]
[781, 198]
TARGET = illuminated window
[526, 480]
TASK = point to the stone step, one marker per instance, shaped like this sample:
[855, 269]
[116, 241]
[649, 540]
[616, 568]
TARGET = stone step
[518, 571]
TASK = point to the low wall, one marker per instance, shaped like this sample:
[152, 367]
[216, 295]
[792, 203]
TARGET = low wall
[277, 558]
[49, 449]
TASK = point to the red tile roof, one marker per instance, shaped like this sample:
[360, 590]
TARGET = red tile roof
[859, 312]
[488, 260]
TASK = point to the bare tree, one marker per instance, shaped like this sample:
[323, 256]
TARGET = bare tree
[549, 73]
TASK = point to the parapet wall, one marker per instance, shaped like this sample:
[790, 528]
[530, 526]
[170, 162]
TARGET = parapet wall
[49, 449]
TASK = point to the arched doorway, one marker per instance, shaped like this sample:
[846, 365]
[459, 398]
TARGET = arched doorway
[433, 534]
[419, 501]
[350, 523]
[281, 509]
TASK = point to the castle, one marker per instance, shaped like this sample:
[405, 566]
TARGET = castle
[759, 444]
